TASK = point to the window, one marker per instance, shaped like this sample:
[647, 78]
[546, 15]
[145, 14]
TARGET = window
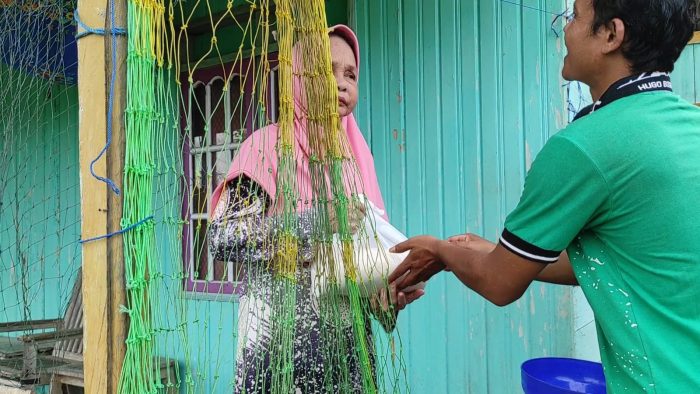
[219, 116]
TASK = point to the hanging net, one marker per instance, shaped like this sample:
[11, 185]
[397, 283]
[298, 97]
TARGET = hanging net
[253, 261]
[39, 188]
[259, 269]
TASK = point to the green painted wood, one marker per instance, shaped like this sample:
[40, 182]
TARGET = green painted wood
[39, 197]
[696, 51]
[456, 99]
[684, 74]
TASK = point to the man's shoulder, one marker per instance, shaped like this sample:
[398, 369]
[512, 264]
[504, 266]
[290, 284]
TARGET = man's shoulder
[614, 125]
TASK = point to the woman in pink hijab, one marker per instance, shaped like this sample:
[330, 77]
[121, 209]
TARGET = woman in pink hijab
[245, 220]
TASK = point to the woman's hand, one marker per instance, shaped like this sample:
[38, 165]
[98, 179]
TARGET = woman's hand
[383, 310]
[387, 310]
[356, 215]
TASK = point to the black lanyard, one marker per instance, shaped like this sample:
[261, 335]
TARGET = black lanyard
[628, 86]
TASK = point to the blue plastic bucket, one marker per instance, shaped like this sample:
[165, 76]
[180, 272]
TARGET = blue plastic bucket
[553, 375]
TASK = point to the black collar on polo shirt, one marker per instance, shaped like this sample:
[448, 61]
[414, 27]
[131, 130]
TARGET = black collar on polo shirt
[628, 86]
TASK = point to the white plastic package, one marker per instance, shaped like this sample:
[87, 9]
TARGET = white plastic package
[373, 260]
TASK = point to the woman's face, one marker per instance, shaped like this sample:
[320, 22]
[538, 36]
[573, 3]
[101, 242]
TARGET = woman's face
[345, 72]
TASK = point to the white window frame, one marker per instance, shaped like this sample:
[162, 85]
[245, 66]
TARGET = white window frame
[232, 143]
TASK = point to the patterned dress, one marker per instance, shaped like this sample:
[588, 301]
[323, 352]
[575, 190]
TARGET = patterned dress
[242, 234]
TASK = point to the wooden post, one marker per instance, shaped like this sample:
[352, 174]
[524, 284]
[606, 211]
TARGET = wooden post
[695, 39]
[115, 170]
[104, 327]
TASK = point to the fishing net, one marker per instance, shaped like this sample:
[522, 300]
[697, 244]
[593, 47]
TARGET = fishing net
[39, 182]
[283, 307]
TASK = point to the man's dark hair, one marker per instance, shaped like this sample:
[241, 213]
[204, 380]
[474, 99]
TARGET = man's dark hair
[656, 31]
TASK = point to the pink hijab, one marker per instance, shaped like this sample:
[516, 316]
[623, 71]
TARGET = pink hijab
[257, 157]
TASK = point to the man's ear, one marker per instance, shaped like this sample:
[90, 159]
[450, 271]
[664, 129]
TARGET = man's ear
[614, 32]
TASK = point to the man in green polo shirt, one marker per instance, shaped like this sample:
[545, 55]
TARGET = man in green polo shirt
[611, 203]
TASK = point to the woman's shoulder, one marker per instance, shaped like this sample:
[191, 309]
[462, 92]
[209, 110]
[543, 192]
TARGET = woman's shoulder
[263, 137]
[264, 133]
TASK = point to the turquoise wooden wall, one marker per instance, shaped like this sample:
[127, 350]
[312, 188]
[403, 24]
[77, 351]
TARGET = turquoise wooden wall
[686, 76]
[39, 197]
[457, 97]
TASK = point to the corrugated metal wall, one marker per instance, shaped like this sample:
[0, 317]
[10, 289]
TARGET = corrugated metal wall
[456, 98]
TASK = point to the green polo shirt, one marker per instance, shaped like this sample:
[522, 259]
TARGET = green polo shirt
[619, 189]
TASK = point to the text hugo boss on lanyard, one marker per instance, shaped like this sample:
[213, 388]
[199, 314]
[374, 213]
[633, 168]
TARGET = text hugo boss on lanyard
[628, 86]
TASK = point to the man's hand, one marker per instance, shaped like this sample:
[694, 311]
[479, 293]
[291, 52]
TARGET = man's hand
[420, 264]
[497, 274]
[558, 273]
[472, 242]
